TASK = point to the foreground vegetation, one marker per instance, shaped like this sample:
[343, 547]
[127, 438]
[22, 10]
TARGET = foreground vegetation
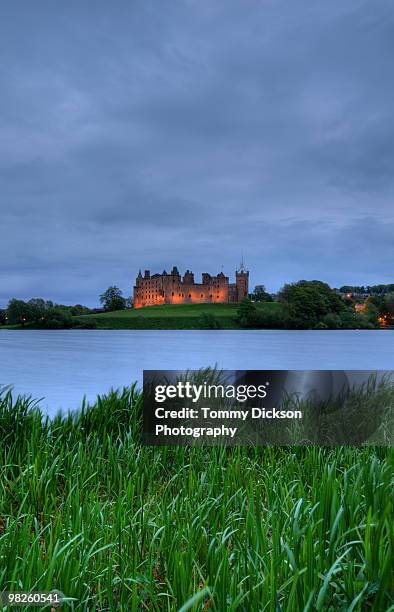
[89, 511]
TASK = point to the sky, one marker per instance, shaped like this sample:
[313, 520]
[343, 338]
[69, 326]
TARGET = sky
[145, 134]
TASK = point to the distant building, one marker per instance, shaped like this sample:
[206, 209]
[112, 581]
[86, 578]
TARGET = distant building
[348, 295]
[171, 288]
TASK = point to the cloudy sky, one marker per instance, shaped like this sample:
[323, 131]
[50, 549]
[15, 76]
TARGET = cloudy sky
[143, 134]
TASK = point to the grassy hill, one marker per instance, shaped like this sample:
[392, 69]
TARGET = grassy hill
[174, 316]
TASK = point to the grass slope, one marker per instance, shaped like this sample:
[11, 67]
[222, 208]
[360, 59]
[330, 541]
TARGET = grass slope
[172, 316]
[85, 509]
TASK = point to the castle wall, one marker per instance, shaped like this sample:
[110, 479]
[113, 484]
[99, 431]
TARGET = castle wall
[232, 293]
[197, 293]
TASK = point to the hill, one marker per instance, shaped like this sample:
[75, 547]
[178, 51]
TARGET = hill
[174, 316]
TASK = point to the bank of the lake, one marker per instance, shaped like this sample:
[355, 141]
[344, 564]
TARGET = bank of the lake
[249, 315]
[167, 316]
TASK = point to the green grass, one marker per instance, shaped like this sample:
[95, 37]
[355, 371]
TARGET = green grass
[84, 508]
[173, 316]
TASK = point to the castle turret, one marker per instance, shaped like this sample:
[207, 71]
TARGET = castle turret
[138, 281]
[175, 271]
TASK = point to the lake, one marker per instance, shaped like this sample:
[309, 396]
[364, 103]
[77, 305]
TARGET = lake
[63, 366]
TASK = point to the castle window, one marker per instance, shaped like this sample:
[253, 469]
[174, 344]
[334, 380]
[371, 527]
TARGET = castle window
[202, 295]
[190, 295]
[172, 293]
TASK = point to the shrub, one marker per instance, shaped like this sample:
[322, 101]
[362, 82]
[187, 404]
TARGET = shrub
[332, 321]
[209, 321]
[246, 313]
[78, 310]
[56, 318]
[321, 325]
[3, 317]
[276, 319]
[78, 324]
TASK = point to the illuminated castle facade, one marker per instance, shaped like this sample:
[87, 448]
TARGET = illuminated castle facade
[171, 288]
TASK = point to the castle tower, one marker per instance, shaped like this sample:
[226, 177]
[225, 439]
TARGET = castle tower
[188, 278]
[242, 281]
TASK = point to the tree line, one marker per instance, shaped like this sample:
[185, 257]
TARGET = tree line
[369, 289]
[44, 314]
[313, 305]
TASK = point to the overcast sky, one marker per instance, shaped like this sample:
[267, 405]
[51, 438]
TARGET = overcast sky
[144, 134]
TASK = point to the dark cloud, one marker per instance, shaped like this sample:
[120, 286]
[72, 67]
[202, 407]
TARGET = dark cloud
[191, 133]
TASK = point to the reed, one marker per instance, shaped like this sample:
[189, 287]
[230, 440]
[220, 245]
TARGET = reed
[86, 509]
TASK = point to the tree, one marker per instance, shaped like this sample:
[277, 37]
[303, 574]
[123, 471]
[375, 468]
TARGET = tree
[378, 301]
[3, 317]
[38, 308]
[39, 313]
[371, 314]
[260, 294]
[79, 310]
[18, 312]
[129, 302]
[309, 301]
[388, 304]
[112, 299]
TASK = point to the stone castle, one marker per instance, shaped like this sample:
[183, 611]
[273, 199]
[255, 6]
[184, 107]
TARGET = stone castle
[171, 288]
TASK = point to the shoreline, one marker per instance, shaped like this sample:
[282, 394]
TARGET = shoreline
[194, 329]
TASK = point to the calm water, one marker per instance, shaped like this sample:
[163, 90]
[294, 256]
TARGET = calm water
[63, 366]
